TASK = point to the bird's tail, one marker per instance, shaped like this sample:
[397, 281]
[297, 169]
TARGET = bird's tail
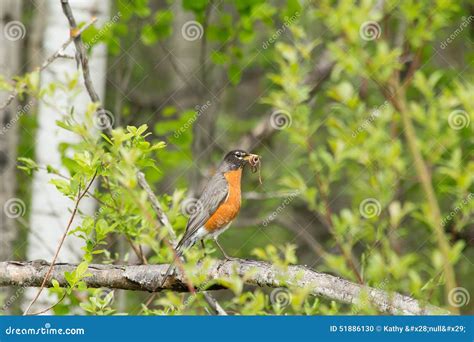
[183, 244]
[170, 267]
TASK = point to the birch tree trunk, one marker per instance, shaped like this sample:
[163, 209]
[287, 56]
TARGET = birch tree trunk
[50, 210]
[12, 32]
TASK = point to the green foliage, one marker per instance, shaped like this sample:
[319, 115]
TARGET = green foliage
[99, 303]
[342, 150]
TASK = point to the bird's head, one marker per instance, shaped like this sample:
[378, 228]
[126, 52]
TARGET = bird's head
[237, 159]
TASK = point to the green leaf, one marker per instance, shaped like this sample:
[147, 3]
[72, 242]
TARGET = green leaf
[81, 269]
[62, 185]
[235, 74]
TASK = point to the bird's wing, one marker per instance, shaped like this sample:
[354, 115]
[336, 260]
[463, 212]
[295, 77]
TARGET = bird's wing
[214, 193]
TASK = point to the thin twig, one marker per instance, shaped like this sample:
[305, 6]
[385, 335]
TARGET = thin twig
[214, 304]
[424, 177]
[50, 307]
[63, 238]
[138, 251]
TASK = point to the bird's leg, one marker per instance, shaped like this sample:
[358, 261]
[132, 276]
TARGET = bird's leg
[222, 250]
[203, 247]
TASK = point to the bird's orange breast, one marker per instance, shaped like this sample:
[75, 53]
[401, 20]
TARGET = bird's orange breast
[229, 209]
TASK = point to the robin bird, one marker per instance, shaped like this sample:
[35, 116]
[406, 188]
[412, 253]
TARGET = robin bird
[218, 205]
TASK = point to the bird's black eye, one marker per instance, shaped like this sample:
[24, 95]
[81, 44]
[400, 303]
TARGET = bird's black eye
[238, 154]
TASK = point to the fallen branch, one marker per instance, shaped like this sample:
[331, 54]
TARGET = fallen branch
[149, 278]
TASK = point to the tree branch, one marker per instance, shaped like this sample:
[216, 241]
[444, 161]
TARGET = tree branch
[58, 54]
[80, 51]
[262, 274]
[155, 204]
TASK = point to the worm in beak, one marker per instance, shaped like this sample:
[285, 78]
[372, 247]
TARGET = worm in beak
[254, 161]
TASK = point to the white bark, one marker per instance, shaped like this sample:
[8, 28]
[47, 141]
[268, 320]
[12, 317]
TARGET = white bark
[10, 48]
[11, 31]
[50, 210]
